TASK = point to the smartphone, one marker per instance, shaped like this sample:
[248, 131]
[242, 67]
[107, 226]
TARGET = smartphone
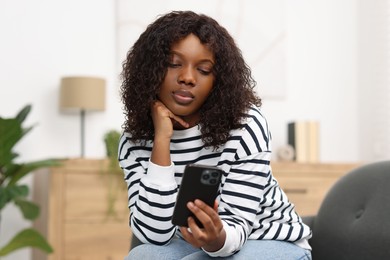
[198, 182]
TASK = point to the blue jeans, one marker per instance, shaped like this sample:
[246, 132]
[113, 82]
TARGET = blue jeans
[253, 249]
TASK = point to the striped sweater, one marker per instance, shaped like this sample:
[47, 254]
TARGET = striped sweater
[251, 203]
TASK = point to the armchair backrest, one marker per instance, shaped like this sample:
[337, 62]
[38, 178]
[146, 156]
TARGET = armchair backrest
[353, 221]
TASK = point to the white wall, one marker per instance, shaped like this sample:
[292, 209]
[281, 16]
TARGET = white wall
[43, 40]
[321, 76]
[374, 80]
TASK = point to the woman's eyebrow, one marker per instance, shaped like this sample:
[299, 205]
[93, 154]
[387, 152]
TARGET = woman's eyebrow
[173, 52]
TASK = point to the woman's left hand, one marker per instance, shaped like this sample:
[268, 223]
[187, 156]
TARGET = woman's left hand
[212, 236]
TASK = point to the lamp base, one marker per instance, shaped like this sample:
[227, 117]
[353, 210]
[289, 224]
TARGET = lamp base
[82, 128]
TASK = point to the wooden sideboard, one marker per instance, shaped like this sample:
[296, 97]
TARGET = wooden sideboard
[74, 204]
[306, 184]
[74, 211]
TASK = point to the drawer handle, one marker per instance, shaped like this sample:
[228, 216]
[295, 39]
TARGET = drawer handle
[297, 191]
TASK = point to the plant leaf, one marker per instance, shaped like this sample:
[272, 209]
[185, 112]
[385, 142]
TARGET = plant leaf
[21, 116]
[10, 193]
[29, 167]
[26, 238]
[11, 169]
[4, 198]
[10, 133]
[27, 130]
[29, 210]
[111, 139]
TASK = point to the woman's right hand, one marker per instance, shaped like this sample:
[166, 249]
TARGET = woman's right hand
[164, 119]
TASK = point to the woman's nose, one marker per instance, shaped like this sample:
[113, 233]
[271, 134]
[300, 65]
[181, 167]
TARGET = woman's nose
[187, 76]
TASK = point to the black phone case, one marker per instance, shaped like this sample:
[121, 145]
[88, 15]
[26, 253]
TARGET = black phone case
[198, 182]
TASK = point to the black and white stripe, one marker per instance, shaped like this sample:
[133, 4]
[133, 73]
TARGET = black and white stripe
[251, 203]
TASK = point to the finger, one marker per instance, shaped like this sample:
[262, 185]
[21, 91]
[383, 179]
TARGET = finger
[156, 103]
[161, 109]
[201, 236]
[189, 237]
[159, 106]
[206, 208]
[202, 213]
[193, 225]
[216, 205]
[179, 120]
[211, 213]
[186, 234]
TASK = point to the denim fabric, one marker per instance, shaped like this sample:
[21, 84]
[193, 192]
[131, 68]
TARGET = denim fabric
[253, 249]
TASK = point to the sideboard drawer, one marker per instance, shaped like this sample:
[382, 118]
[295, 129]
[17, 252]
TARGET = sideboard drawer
[306, 185]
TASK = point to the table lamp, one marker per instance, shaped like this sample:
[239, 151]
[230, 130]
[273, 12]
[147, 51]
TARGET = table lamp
[82, 94]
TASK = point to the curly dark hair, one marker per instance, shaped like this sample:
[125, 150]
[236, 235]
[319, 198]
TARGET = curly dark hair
[146, 65]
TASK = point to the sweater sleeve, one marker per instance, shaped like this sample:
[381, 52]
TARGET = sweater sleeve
[152, 191]
[245, 184]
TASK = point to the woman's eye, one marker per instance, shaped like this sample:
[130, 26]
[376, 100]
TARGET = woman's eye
[174, 65]
[204, 71]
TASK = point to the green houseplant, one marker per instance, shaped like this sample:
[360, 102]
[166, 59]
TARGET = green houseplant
[11, 191]
[111, 140]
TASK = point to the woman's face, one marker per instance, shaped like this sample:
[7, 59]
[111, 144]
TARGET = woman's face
[189, 78]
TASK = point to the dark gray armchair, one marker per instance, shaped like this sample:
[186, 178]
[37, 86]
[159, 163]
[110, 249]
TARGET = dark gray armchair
[353, 221]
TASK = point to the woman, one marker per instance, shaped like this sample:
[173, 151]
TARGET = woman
[189, 98]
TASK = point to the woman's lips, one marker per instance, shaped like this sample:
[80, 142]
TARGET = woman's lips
[183, 97]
